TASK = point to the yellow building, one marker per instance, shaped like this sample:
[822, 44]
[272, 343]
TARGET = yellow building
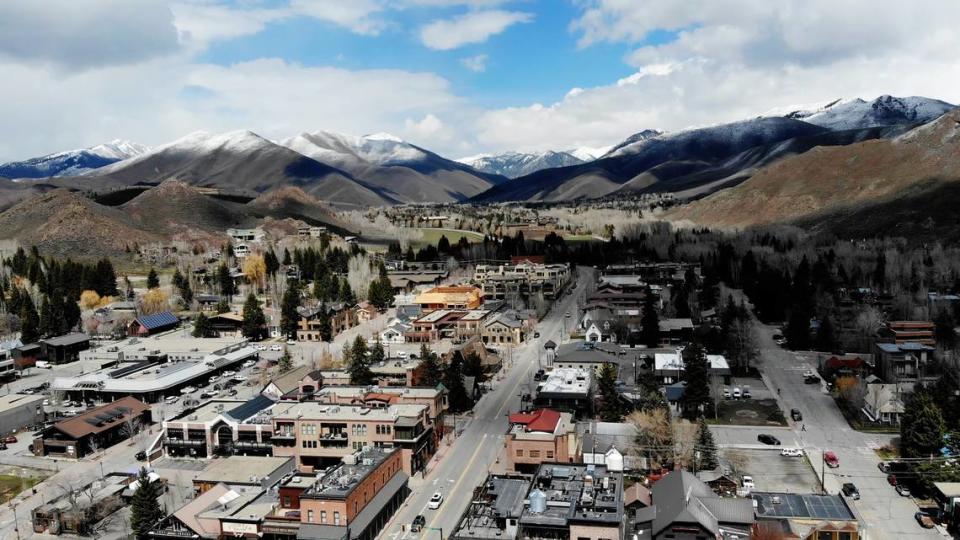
[464, 297]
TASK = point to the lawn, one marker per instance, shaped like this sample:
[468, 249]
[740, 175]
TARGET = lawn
[749, 412]
[11, 485]
[431, 236]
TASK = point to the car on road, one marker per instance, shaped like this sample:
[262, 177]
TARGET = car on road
[536, 334]
[418, 523]
[209, 394]
[10, 439]
[903, 490]
[141, 456]
[435, 501]
[747, 482]
[766, 438]
[811, 379]
[276, 348]
[831, 460]
[71, 412]
[796, 415]
[924, 519]
[232, 392]
[791, 452]
[851, 491]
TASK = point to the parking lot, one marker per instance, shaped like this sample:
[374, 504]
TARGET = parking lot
[773, 472]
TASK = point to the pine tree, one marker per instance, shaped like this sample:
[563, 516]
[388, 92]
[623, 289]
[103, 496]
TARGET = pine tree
[153, 281]
[706, 447]
[826, 337]
[326, 329]
[145, 509]
[227, 287]
[359, 366]
[286, 363]
[286, 257]
[612, 410]
[223, 306]
[473, 366]
[346, 293]
[650, 322]
[289, 317]
[202, 327]
[430, 370]
[46, 318]
[921, 427]
[696, 374]
[377, 354]
[458, 399]
[254, 321]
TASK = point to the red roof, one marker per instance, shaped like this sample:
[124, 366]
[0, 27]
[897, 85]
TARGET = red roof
[539, 420]
[849, 363]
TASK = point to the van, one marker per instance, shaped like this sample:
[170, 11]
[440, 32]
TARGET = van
[43, 364]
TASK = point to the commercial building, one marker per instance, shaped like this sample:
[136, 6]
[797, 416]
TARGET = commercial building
[99, 427]
[243, 472]
[495, 509]
[19, 411]
[806, 516]
[221, 428]
[901, 332]
[434, 399]
[459, 297]
[505, 328]
[668, 367]
[573, 501]
[319, 435]
[525, 278]
[155, 367]
[567, 390]
[148, 325]
[65, 348]
[356, 499]
[541, 436]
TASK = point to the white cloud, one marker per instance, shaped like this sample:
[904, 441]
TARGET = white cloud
[472, 27]
[476, 64]
[427, 128]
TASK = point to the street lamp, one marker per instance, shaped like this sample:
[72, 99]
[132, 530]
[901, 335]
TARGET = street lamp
[16, 524]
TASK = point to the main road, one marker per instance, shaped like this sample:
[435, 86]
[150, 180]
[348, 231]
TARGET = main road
[465, 463]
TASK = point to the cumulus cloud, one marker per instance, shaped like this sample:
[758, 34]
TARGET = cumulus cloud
[78, 35]
[476, 64]
[472, 27]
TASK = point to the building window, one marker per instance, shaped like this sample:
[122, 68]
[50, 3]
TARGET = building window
[309, 516]
[534, 453]
[846, 536]
[286, 501]
[323, 516]
[549, 454]
[336, 517]
[519, 452]
[825, 535]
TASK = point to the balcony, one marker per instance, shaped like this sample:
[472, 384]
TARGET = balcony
[334, 443]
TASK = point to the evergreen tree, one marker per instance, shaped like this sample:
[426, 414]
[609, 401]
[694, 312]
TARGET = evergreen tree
[826, 336]
[650, 322]
[346, 293]
[706, 447]
[458, 399]
[797, 330]
[46, 318]
[612, 410]
[223, 306]
[202, 327]
[153, 281]
[289, 317]
[430, 370]
[359, 366]
[921, 427]
[183, 287]
[944, 330]
[254, 321]
[377, 354]
[286, 363]
[326, 330]
[227, 287]
[286, 257]
[145, 509]
[696, 374]
[473, 367]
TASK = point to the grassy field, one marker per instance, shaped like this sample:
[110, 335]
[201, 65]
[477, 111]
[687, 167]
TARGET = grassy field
[432, 236]
[11, 485]
[749, 412]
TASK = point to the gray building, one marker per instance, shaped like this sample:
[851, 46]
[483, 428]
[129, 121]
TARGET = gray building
[18, 411]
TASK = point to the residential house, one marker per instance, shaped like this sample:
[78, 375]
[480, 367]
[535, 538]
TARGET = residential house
[365, 311]
[601, 330]
[905, 362]
[340, 315]
[148, 325]
[845, 365]
[395, 332]
[669, 366]
[540, 436]
[609, 444]
[676, 331]
[883, 403]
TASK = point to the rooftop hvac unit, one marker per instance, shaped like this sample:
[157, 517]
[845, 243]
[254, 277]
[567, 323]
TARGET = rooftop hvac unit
[368, 462]
[538, 501]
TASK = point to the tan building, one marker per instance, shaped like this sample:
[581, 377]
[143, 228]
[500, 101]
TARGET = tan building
[541, 436]
[382, 397]
[320, 434]
[504, 329]
[341, 317]
[456, 297]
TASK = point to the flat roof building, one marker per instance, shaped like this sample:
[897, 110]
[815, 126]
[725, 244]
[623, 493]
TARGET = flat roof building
[495, 509]
[19, 411]
[99, 427]
[567, 390]
[243, 471]
[573, 501]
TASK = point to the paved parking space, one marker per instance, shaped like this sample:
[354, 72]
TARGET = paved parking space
[773, 472]
[746, 436]
[180, 464]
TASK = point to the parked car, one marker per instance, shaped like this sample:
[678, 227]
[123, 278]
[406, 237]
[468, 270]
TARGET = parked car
[745, 393]
[536, 334]
[831, 460]
[924, 519]
[276, 348]
[418, 524]
[893, 466]
[726, 393]
[851, 491]
[141, 456]
[792, 452]
[796, 415]
[248, 363]
[3, 446]
[811, 379]
[766, 438]
[435, 501]
[747, 482]
[171, 399]
[402, 355]
[46, 403]
[903, 490]
[10, 439]
[229, 373]
[232, 392]
[188, 390]
[209, 394]
[736, 393]
[892, 479]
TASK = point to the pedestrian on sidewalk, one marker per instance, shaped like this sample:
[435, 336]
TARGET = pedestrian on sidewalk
[803, 427]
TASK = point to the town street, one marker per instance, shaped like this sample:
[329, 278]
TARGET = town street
[464, 465]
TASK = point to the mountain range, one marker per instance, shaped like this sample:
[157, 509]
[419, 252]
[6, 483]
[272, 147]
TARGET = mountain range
[517, 164]
[72, 162]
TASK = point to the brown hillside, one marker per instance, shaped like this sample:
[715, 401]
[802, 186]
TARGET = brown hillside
[175, 207]
[60, 222]
[827, 180]
[293, 202]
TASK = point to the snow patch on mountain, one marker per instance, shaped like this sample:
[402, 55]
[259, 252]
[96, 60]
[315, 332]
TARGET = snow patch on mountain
[517, 164]
[347, 150]
[857, 113]
[589, 153]
[72, 162]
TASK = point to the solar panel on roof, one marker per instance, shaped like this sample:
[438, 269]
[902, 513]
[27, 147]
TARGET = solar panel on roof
[250, 408]
[91, 421]
[158, 320]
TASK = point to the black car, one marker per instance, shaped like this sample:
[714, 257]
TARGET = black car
[418, 524]
[141, 456]
[795, 414]
[536, 334]
[811, 379]
[851, 491]
[768, 439]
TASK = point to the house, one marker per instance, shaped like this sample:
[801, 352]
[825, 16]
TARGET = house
[148, 325]
[609, 444]
[458, 297]
[227, 324]
[676, 331]
[489, 359]
[93, 429]
[599, 331]
[904, 362]
[883, 403]
[65, 348]
[246, 235]
[340, 315]
[901, 332]
[395, 332]
[845, 365]
[207, 301]
[540, 436]
[720, 480]
[685, 508]
[365, 311]
[669, 366]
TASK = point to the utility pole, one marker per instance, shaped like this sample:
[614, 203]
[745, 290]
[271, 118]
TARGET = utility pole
[823, 473]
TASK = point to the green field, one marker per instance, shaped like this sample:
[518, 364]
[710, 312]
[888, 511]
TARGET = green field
[11, 485]
[432, 236]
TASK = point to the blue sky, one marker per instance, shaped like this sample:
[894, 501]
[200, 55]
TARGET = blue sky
[459, 77]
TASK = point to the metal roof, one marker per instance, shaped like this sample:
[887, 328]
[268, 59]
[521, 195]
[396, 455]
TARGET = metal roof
[790, 505]
[157, 320]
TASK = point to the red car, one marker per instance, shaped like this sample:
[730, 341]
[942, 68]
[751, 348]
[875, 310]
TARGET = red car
[892, 479]
[10, 440]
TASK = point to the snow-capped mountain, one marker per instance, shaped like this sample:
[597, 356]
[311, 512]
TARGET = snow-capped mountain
[589, 153]
[632, 141]
[348, 151]
[883, 111]
[72, 162]
[516, 164]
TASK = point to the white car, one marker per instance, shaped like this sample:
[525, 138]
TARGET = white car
[276, 348]
[736, 393]
[402, 355]
[809, 373]
[172, 399]
[188, 390]
[435, 501]
[748, 482]
[229, 373]
[791, 452]
[248, 363]
[726, 393]
[46, 403]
